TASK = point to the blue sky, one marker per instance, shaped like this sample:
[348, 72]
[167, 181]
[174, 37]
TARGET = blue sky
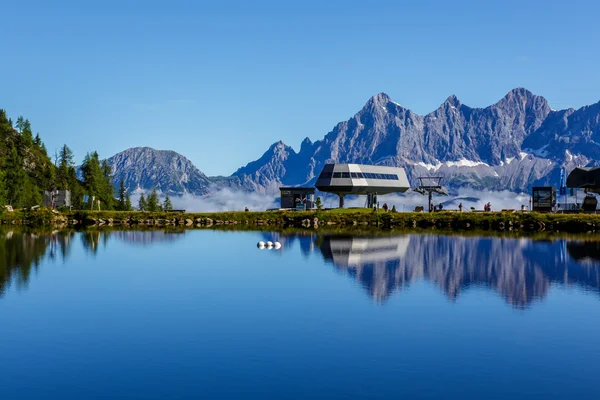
[221, 81]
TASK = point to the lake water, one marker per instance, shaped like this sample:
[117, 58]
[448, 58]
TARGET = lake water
[206, 315]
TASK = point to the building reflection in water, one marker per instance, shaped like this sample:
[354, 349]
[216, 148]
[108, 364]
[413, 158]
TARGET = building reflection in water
[521, 271]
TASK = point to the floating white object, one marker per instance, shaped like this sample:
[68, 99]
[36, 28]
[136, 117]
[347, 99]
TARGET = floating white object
[260, 245]
[277, 245]
[269, 243]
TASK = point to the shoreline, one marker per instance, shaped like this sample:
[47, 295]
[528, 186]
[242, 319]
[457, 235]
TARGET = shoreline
[311, 220]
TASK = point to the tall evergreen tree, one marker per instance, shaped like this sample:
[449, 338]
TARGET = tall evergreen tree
[167, 205]
[122, 196]
[14, 177]
[142, 204]
[76, 188]
[2, 188]
[153, 204]
[128, 206]
[27, 134]
[20, 123]
[65, 161]
[107, 190]
[96, 180]
[32, 194]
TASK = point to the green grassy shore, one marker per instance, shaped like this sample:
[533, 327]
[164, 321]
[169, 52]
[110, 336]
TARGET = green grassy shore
[447, 220]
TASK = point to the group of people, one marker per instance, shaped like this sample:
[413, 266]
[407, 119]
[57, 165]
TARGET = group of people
[487, 207]
[433, 207]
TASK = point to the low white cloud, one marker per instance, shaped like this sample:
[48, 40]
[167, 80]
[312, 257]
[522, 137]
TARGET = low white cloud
[236, 200]
[468, 197]
[222, 200]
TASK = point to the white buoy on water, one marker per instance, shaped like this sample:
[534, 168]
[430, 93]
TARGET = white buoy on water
[277, 245]
[260, 245]
[269, 244]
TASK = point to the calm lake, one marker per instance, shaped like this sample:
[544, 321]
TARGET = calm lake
[204, 314]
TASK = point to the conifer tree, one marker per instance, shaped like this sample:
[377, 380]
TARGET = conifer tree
[27, 134]
[128, 206]
[14, 177]
[65, 161]
[92, 175]
[167, 205]
[32, 195]
[142, 204]
[76, 189]
[2, 188]
[153, 204]
[107, 193]
[96, 180]
[20, 123]
[122, 196]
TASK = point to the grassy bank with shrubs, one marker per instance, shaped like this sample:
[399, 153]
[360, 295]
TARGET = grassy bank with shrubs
[448, 220]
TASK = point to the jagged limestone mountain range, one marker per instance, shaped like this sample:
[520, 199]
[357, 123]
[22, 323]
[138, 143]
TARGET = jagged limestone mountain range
[513, 144]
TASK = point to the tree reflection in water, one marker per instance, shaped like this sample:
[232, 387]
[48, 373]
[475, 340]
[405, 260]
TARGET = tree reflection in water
[21, 251]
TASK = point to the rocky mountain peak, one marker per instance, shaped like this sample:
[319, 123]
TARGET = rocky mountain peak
[145, 168]
[380, 98]
[521, 98]
[452, 101]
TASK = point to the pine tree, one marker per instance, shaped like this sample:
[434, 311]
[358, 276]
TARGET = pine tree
[128, 206]
[32, 195]
[97, 180]
[2, 189]
[37, 141]
[20, 123]
[65, 161]
[27, 134]
[91, 174]
[318, 203]
[167, 205]
[142, 204]
[107, 193]
[76, 189]
[122, 196]
[14, 177]
[153, 204]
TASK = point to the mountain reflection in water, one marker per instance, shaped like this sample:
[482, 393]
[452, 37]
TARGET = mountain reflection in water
[520, 270]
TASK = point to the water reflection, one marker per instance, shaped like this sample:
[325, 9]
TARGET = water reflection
[20, 253]
[23, 251]
[521, 271]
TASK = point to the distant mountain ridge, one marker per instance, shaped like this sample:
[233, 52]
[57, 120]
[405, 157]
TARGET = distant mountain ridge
[513, 144]
[144, 168]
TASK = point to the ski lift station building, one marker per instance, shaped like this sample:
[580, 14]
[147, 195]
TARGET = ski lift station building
[343, 179]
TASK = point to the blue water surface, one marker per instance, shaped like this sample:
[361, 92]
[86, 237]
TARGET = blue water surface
[204, 314]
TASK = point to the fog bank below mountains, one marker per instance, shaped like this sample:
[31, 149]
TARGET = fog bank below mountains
[236, 200]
